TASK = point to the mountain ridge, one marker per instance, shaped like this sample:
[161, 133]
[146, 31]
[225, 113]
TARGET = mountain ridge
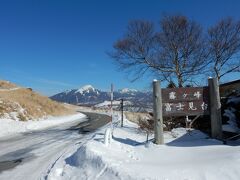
[90, 96]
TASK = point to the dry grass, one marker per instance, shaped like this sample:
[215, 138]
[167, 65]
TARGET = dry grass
[135, 116]
[28, 104]
[6, 85]
[131, 116]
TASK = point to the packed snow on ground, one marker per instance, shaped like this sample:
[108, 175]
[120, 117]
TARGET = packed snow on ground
[186, 155]
[11, 127]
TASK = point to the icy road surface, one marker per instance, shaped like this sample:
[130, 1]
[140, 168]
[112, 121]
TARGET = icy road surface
[32, 155]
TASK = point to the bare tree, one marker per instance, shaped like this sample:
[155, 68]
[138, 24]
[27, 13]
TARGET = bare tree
[182, 49]
[224, 42]
[134, 51]
[176, 53]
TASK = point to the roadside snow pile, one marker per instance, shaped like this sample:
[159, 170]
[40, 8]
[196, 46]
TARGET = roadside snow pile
[231, 125]
[10, 127]
[186, 155]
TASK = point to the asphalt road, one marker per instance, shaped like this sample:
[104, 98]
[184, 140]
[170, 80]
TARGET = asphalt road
[93, 123]
[29, 155]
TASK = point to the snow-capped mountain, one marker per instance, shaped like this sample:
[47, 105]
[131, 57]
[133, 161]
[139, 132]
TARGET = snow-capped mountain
[87, 89]
[84, 95]
[126, 90]
[88, 95]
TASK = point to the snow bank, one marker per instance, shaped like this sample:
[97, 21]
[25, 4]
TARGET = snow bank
[11, 127]
[185, 156]
[230, 113]
[234, 100]
[231, 125]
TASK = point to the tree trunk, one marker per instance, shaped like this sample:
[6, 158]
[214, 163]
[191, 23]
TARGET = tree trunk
[180, 81]
[217, 73]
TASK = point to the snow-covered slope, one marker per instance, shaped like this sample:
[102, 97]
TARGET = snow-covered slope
[184, 156]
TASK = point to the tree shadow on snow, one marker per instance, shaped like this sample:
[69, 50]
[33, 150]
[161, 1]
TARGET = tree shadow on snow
[185, 141]
[194, 139]
[128, 141]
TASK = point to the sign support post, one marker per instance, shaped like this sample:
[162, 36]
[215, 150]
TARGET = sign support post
[215, 108]
[112, 108]
[157, 113]
[121, 112]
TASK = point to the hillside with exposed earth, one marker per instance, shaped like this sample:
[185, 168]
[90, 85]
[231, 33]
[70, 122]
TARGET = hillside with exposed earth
[19, 103]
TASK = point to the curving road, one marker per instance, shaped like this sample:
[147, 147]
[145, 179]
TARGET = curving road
[31, 155]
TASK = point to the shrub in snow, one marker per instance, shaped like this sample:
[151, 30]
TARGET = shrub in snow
[170, 123]
[146, 126]
[231, 113]
[173, 122]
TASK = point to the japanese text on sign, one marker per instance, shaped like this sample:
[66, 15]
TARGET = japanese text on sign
[185, 101]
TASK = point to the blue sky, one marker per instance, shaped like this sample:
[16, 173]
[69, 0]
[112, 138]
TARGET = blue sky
[53, 45]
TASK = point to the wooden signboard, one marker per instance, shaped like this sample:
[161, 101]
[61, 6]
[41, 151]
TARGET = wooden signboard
[185, 101]
[192, 101]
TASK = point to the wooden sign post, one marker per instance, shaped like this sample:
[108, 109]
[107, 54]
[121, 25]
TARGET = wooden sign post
[112, 108]
[157, 113]
[121, 112]
[215, 108]
[191, 101]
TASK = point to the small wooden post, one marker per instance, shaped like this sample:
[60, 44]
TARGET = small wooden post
[122, 112]
[157, 113]
[112, 108]
[215, 108]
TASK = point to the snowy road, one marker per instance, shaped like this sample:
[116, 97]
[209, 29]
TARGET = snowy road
[32, 155]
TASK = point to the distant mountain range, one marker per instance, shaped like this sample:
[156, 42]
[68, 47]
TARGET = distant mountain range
[90, 96]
